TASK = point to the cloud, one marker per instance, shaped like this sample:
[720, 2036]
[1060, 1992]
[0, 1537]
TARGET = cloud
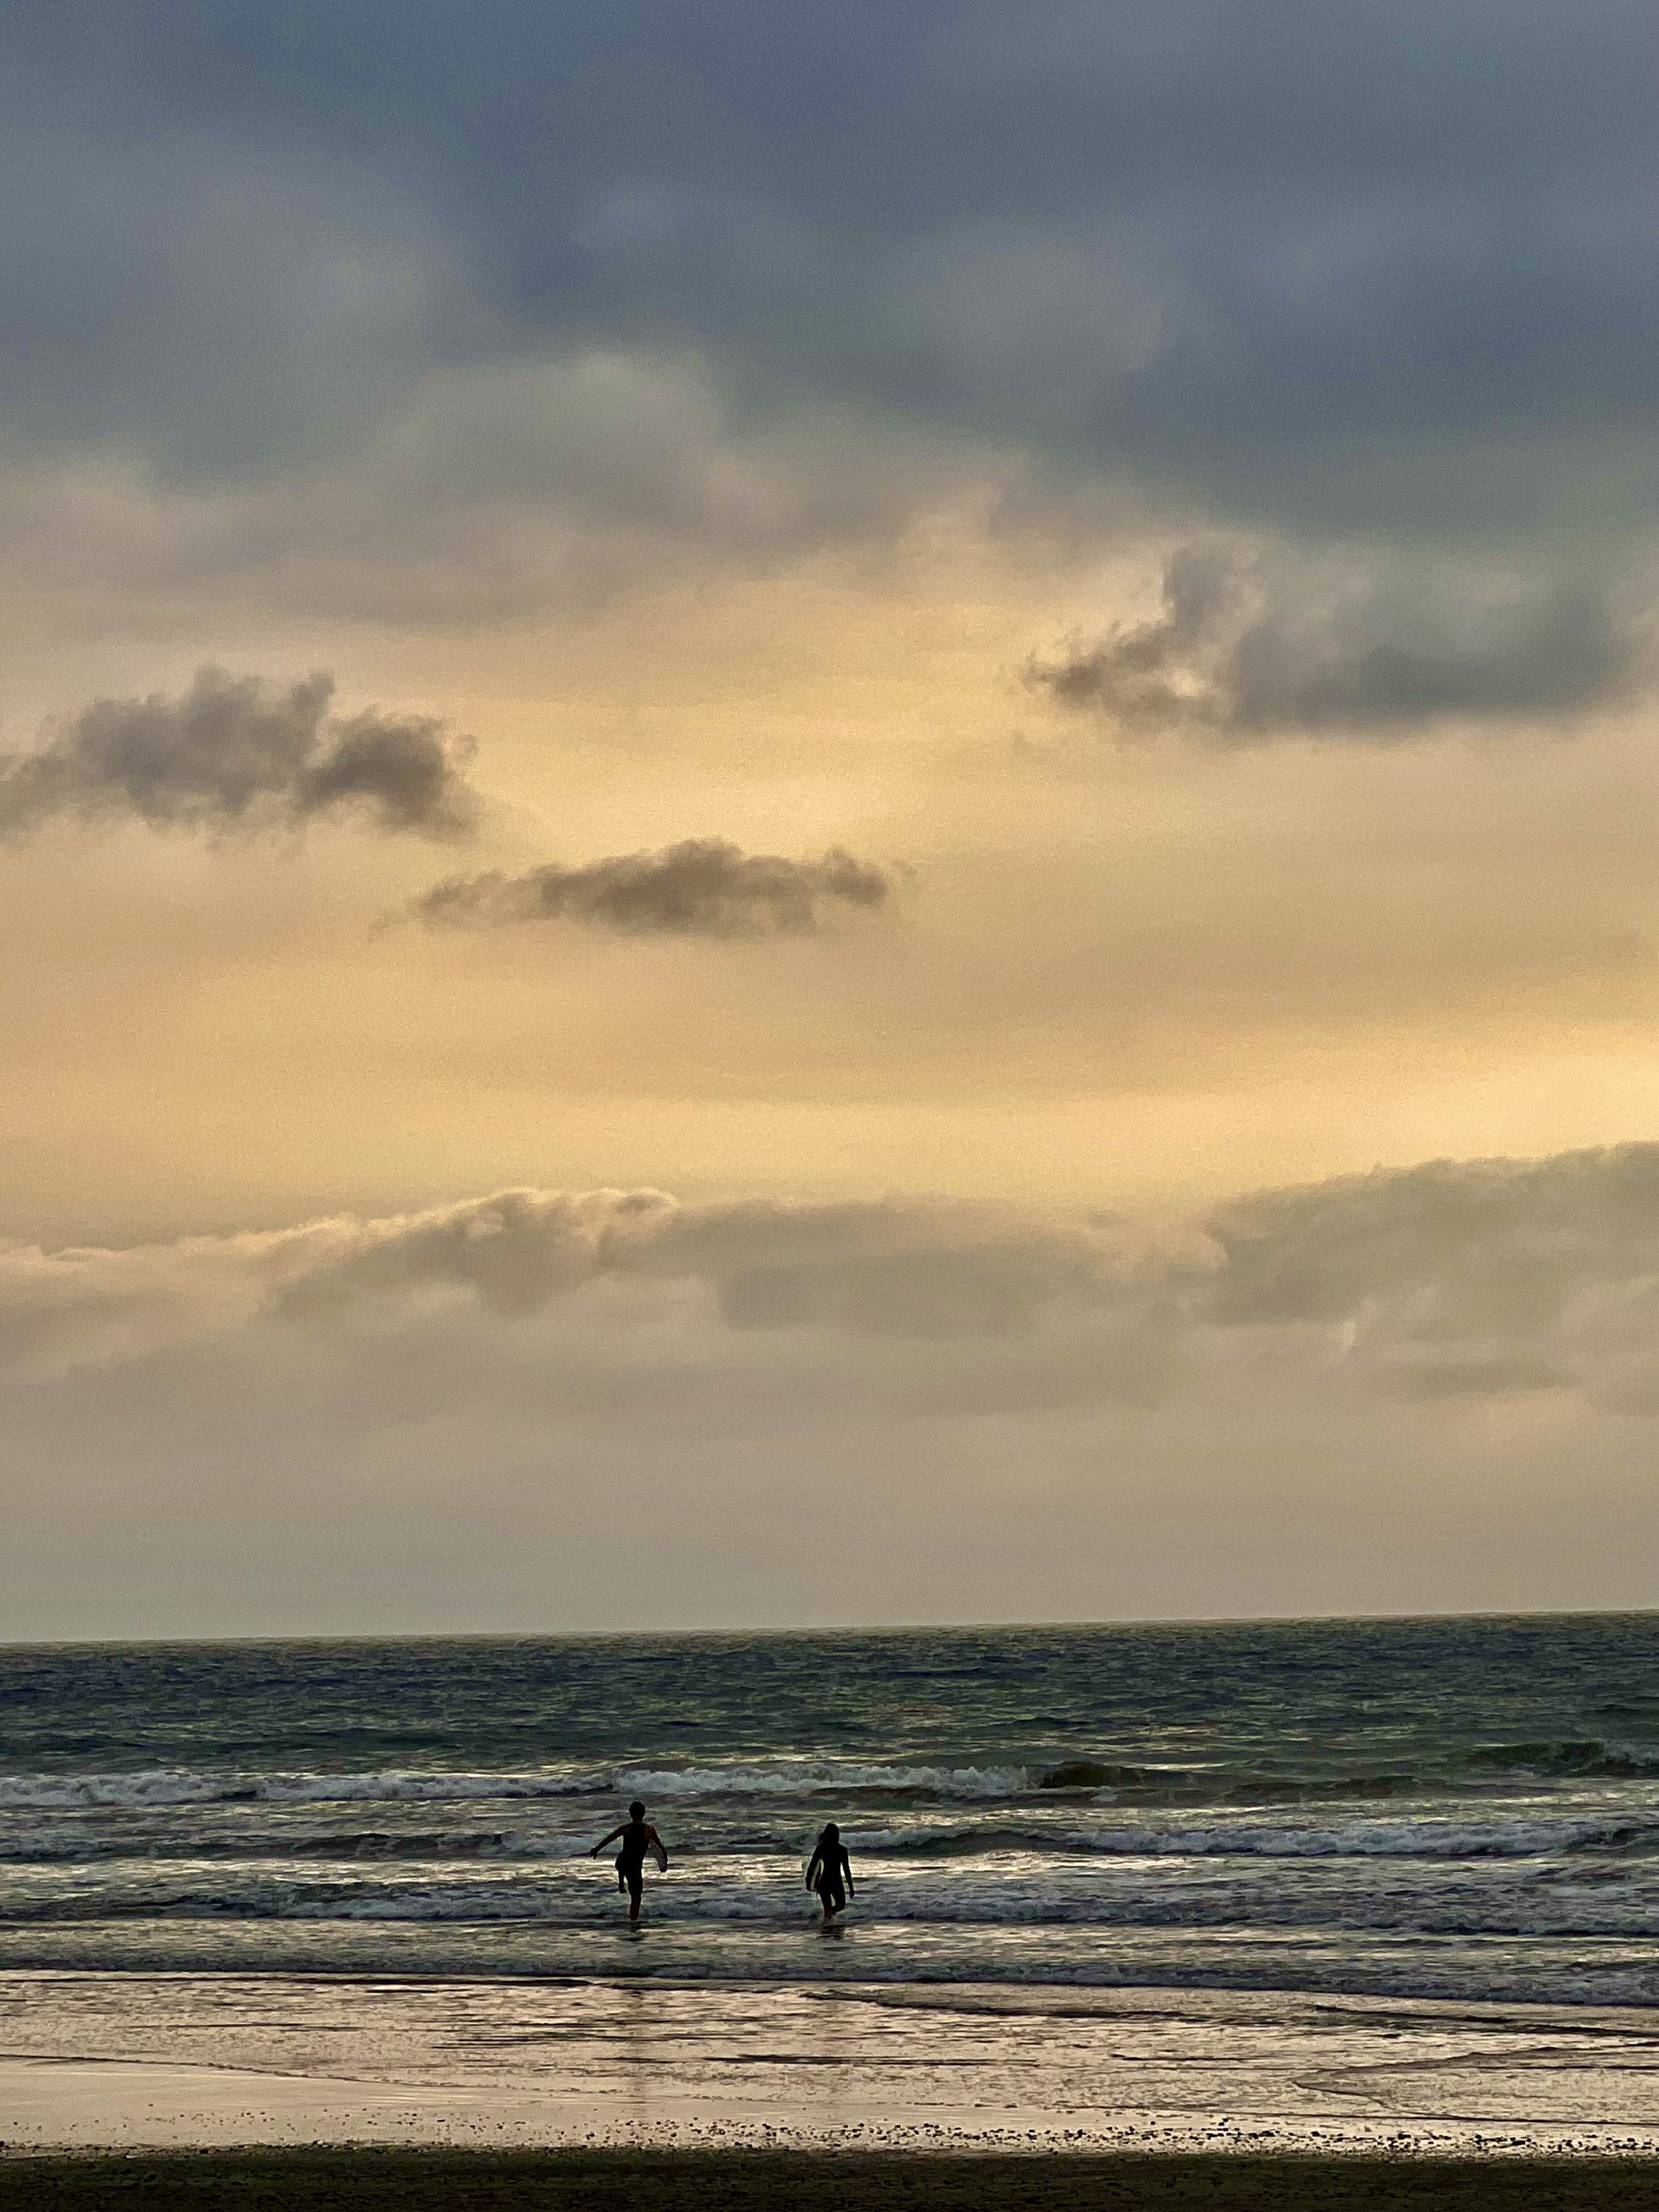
[1454, 1281]
[237, 752]
[703, 887]
[1461, 1277]
[1386, 270]
[885, 1267]
[890, 1268]
[1471, 1246]
[1246, 649]
[213, 303]
[515, 1251]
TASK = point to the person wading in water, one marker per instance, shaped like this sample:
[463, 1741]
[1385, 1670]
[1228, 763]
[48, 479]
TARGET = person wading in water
[827, 1869]
[638, 1836]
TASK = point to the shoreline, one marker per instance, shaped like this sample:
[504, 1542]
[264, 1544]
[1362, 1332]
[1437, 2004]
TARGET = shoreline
[151, 2062]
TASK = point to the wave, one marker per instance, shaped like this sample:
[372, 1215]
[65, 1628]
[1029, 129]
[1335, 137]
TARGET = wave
[960, 1843]
[996, 1844]
[1568, 1757]
[701, 1914]
[168, 1787]
[824, 1777]
[162, 1788]
[387, 1844]
[1479, 1768]
[1360, 1839]
[1417, 1839]
[1096, 1774]
[1555, 1758]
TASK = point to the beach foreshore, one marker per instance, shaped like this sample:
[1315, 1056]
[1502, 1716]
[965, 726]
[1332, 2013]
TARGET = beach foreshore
[432, 2180]
[175, 2061]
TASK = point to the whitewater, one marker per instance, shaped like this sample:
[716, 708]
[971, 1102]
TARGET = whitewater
[1438, 1808]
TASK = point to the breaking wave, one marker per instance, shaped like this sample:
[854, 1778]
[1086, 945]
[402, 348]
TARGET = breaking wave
[1474, 1766]
[825, 1777]
[1409, 1806]
[70, 1792]
[1479, 1767]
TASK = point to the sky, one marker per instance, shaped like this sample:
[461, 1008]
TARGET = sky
[820, 816]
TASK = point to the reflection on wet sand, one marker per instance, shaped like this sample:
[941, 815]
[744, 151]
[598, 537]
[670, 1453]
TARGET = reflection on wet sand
[201, 2059]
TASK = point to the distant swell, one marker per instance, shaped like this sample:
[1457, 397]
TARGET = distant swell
[1431, 1807]
[69, 1792]
[1480, 1768]
[1563, 1759]
[168, 1787]
[819, 1778]
[1567, 1758]
[1366, 1839]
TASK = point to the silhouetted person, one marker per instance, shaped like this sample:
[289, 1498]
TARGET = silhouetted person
[638, 1836]
[827, 1870]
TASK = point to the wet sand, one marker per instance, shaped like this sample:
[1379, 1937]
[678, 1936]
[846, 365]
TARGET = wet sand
[774, 2181]
[175, 2061]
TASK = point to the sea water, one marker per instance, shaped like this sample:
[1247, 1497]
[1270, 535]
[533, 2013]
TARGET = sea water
[1462, 1808]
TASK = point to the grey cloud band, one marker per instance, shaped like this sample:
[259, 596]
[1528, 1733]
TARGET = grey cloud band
[1452, 1280]
[237, 752]
[1246, 647]
[1290, 255]
[240, 753]
[703, 887]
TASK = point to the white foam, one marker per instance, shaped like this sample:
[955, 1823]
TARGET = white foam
[821, 1778]
[1411, 1839]
[67, 1791]
[396, 1788]
[180, 1786]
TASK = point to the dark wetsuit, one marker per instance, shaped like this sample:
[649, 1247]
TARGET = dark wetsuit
[630, 1859]
[828, 1867]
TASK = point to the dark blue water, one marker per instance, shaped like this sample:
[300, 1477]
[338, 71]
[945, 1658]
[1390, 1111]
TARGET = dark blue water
[1448, 1808]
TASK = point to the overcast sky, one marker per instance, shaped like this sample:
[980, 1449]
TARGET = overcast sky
[826, 814]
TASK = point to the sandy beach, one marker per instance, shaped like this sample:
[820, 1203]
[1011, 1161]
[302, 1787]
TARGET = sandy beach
[762, 2180]
[174, 2060]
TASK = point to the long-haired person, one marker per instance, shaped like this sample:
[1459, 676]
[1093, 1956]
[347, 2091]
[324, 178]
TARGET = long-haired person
[829, 1872]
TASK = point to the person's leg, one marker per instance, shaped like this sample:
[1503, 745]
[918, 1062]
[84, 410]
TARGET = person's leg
[636, 1890]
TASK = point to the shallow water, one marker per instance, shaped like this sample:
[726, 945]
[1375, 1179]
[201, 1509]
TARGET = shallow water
[124, 2059]
[1449, 1808]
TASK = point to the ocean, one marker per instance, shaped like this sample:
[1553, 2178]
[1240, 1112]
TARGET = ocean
[1445, 1808]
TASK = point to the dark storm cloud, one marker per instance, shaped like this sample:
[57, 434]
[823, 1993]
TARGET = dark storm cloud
[1225, 244]
[703, 887]
[235, 752]
[1244, 649]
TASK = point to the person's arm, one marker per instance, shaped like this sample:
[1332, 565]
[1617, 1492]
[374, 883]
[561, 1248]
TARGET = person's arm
[812, 1865]
[603, 1840]
[848, 1864]
[657, 1845]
